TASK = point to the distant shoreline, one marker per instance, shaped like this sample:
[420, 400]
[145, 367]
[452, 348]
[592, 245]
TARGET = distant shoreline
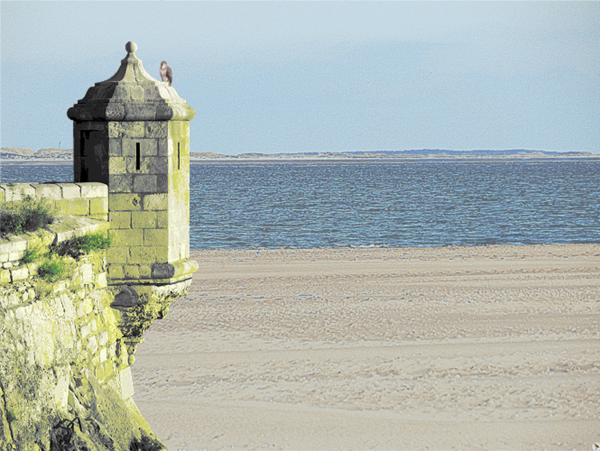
[344, 159]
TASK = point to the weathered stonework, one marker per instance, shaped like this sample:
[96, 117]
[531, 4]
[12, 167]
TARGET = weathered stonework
[63, 355]
[65, 382]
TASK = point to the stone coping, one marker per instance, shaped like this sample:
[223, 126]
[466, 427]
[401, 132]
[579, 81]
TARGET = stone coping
[13, 248]
[10, 192]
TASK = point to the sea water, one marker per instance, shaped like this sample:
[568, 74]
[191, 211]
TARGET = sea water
[405, 203]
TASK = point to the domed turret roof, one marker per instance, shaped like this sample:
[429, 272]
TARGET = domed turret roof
[131, 95]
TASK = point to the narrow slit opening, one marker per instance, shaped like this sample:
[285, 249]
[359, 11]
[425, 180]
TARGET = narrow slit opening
[178, 156]
[138, 159]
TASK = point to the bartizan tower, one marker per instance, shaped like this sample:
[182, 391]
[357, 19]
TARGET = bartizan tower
[132, 133]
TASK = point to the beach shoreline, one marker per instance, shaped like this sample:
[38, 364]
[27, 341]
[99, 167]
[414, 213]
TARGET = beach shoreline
[493, 347]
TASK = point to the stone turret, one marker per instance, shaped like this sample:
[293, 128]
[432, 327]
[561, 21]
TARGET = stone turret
[132, 133]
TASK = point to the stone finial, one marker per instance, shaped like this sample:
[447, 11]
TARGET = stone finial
[131, 47]
[131, 94]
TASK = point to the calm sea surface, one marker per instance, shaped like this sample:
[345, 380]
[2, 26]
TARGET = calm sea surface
[409, 203]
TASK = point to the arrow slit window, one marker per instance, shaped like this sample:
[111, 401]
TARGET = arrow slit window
[138, 157]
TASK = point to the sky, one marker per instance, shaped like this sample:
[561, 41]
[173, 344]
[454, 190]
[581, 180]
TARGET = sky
[283, 77]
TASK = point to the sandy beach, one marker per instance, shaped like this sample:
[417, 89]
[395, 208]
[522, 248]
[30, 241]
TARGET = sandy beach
[474, 348]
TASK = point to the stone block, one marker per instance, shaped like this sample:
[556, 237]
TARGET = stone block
[61, 391]
[75, 206]
[162, 271]
[125, 202]
[116, 272]
[126, 383]
[109, 369]
[162, 183]
[103, 338]
[162, 219]
[179, 130]
[22, 312]
[120, 183]
[17, 191]
[164, 149]
[140, 111]
[99, 372]
[120, 219]
[56, 306]
[126, 129]
[114, 148]
[148, 254]
[156, 237]
[156, 202]
[87, 273]
[92, 125]
[158, 165]
[19, 274]
[101, 280]
[176, 234]
[126, 237]
[2, 194]
[145, 271]
[156, 129]
[92, 344]
[143, 219]
[12, 245]
[145, 183]
[85, 330]
[132, 272]
[115, 111]
[103, 355]
[99, 206]
[67, 304]
[117, 165]
[93, 189]
[149, 147]
[47, 191]
[129, 147]
[5, 276]
[70, 190]
[14, 256]
[174, 252]
[117, 255]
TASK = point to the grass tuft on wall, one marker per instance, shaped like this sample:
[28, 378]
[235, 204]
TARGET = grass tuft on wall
[78, 246]
[27, 216]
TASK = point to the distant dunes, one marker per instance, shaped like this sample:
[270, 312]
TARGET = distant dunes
[23, 154]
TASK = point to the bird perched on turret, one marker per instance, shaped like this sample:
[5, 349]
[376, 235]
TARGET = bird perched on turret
[166, 73]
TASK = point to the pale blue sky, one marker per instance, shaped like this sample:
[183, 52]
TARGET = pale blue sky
[320, 76]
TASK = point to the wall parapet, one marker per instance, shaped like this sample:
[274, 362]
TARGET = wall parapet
[89, 199]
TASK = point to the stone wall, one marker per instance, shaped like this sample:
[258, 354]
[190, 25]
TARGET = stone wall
[79, 199]
[65, 381]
